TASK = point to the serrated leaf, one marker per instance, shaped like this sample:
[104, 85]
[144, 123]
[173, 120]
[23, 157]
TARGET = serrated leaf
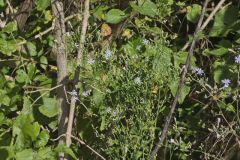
[26, 154]
[65, 149]
[115, 16]
[49, 107]
[193, 13]
[32, 50]
[10, 27]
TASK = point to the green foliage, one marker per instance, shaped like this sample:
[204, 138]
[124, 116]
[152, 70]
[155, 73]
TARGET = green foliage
[115, 16]
[126, 86]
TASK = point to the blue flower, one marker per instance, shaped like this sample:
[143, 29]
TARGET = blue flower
[90, 61]
[86, 93]
[237, 59]
[225, 83]
[198, 71]
[109, 110]
[108, 54]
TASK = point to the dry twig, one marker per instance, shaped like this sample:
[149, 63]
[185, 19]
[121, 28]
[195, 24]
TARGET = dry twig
[180, 85]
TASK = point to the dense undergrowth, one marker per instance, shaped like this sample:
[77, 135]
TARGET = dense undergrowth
[130, 68]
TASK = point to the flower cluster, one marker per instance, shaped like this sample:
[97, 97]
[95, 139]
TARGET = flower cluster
[74, 96]
[108, 54]
[109, 110]
[146, 42]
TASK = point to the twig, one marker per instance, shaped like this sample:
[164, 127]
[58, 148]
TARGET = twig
[180, 85]
[86, 15]
[81, 142]
[210, 17]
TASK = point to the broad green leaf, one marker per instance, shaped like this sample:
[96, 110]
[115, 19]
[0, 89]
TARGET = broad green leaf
[42, 4]
[10, 27]
[223, 20]
[147, 8]
[2, 3]
[8, 47]
[31, 49]
[115, 16]
[43, 62]
[98, 97]
[31, 130]
[31, 68]
[42, 139]
[26, 154]
[49, 107]
[193, 13]
[99, 12]
[184, 92]
[65, 149]
[218, 52]
[46, 154]
[4, 98]
[220, 71]
[21, 76]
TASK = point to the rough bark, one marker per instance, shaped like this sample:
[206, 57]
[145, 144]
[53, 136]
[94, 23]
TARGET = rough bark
[23, 13]
[60, 50]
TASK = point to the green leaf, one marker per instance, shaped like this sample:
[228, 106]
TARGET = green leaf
[2, 80]
[49, 107]
[43, 62]
[98, 97]
[26, 154]
[42, 4]
[31, 130]
[223, 20]
[147, 8]
[65, 149]
[2, 3]
[99, 12]
[42, 139]
[115, 16]
[21, 76]
[10, 27]
[220, 71]
[31, 70]
[8, 47]
[193, 13]
[4, 98]
[184, 92]
[218, 52]
[31, 49]
[45, 154]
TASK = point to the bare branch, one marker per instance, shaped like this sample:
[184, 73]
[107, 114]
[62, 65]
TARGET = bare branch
[77, 72]
[180, 84]
[210, 17]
